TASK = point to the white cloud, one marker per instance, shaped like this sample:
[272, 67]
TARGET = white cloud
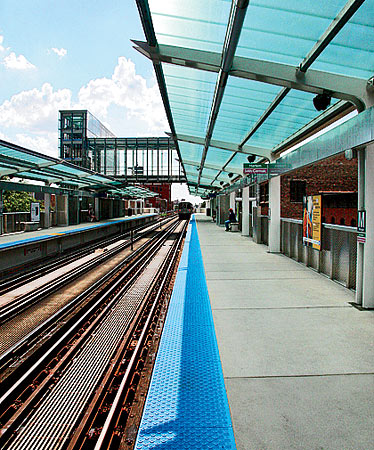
[123, 102]
[128, 90]
[60, 52]
[1, 43]
[35, 109]
[47, 144]
[17, 62]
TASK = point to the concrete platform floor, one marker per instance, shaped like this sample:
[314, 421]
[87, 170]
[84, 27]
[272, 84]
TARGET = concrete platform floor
[297, 358]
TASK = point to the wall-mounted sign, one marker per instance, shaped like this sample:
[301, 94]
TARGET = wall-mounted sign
[312, 221]
[361, 221]
[35, 212]
[249, 168]
[361, 238]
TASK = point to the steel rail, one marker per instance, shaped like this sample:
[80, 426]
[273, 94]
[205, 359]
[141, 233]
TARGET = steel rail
[6, 397]
[18, 280]
[106, 434]
[30, 338]
[10, 310]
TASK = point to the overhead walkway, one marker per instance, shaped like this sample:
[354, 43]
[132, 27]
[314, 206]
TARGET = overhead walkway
[297, 358]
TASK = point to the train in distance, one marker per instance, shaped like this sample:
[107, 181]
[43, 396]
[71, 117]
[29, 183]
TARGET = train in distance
[185, 209]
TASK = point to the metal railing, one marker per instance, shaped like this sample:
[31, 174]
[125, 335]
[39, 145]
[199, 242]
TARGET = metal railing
[338, 256]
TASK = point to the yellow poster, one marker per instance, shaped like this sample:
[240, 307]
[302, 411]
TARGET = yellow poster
[312, 216]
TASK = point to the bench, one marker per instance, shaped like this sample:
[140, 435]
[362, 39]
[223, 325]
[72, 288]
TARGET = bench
[30, 226]
[234, 226]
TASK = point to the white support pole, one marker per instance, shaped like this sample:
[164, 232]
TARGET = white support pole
[274, 210]
[368, 269]
[232, 200]
[245, 211]
[361, 156]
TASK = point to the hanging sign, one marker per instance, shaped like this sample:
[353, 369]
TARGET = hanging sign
[249, 168]
[312, 221]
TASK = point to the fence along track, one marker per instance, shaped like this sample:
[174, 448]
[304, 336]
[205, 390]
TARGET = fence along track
[51, 424]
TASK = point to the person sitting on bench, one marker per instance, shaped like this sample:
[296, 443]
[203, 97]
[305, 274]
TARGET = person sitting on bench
[232, 218]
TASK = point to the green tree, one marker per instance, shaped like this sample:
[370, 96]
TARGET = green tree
[15, 201]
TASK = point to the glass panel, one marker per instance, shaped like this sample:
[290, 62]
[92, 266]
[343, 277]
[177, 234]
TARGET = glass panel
[194, 24]
[285, 32]
[190, 94]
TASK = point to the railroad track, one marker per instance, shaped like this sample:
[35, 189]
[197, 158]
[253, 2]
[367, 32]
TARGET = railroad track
[19, 334]
[48, 265]
[23, 302]
[58, 397]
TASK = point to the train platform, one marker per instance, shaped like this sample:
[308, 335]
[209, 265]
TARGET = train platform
[294, 367]
[24, 247]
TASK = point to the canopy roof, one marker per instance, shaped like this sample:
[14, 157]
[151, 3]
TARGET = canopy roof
[236, 77]
[23, 163]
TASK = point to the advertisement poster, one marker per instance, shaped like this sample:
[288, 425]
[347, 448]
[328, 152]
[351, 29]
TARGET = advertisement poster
[312, 221]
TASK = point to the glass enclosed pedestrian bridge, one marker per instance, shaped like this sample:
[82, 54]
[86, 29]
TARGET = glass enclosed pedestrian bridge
[245, 80]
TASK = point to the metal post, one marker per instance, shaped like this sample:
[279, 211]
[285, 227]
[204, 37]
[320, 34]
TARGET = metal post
[361, 157]
[132, 239]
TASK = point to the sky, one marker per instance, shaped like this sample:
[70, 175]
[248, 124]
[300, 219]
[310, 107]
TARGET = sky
[75, 55]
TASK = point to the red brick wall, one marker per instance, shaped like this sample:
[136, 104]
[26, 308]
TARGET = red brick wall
[164, 191]
[332, 174]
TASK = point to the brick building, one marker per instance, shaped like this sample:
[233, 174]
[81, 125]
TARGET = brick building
[163, 202]
[334, 178]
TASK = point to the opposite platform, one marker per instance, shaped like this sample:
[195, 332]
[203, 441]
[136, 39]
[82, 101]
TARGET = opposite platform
[186, 406]
[22, 238]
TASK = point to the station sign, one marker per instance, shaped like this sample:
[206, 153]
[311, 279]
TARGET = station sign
[256, 169]
[35, 212]
[361, 221]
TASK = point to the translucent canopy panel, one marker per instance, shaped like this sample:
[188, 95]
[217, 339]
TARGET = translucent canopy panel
[190, 94]
[236, 165]
[295, 111]
[243, 104]
[18, 154]
[217, 156]
[290, 33]
[194, 24]
[286, 31]
[190, 152]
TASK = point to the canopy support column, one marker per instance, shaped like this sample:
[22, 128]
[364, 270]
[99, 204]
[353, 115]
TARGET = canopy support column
[245, 211]
[274, 214]
[366, 201]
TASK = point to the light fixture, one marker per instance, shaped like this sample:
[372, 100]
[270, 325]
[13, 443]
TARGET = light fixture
[221, 183]
[321, 101]
[230, 175]
[251, 158]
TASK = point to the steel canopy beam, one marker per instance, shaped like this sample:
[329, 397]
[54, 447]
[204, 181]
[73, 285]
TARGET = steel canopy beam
[336, 25]
[246, 149]
[234, 28]
[211, 166]
[354, 90]
[203, 186]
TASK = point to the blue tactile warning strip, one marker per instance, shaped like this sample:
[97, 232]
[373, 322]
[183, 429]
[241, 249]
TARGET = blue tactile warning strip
[65, 232]
[186, 407]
